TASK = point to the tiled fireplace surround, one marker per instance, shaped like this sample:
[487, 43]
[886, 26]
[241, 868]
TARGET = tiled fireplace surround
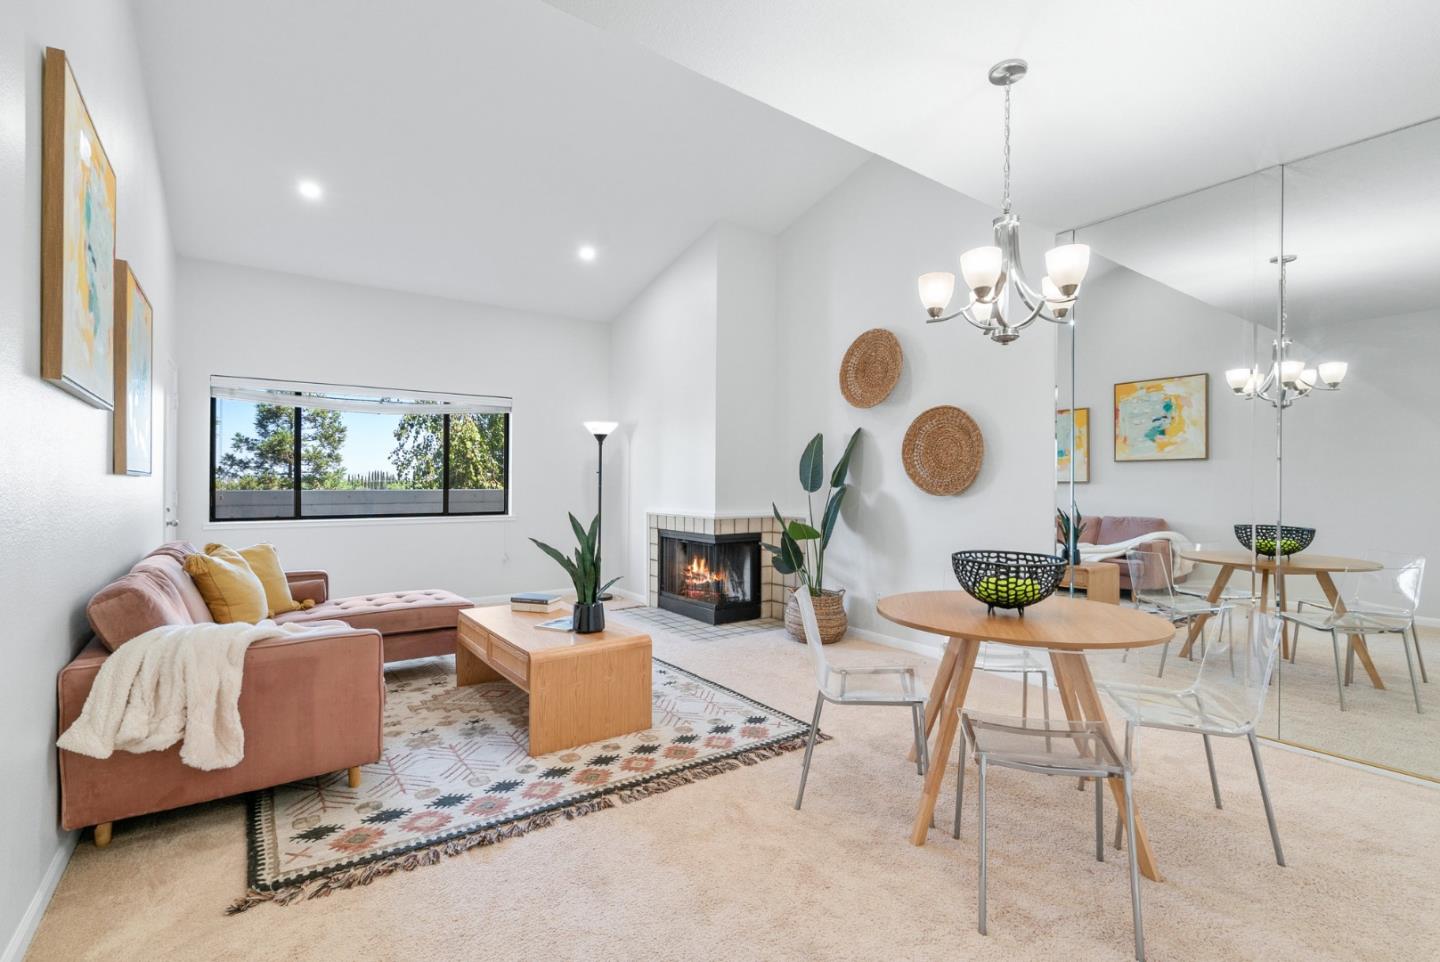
[774, 587]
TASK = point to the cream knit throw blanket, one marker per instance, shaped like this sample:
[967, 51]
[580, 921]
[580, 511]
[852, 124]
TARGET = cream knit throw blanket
[173, 683]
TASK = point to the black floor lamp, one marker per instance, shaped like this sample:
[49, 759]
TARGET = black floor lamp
[601, 430]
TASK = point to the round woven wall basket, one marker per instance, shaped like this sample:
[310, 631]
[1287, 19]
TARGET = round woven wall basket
[871, 367]
[943, 450]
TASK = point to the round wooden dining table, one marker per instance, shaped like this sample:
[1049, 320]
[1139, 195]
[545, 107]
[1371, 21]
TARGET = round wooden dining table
[1321, 566]
[1066, 627]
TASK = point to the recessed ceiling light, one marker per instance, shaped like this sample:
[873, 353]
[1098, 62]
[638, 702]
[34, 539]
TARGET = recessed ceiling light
[586, 253]
[310, 190]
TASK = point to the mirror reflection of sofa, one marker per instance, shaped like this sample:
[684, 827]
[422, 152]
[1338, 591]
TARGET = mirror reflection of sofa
[1114, 529]
[311, 704]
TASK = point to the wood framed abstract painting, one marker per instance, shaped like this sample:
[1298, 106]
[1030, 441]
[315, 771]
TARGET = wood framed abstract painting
[1074, 448]
[1163, 419]
[134, 376]
[77, 243]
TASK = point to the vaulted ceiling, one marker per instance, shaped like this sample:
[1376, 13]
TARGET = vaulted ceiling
[1127, 102]
[465, 149]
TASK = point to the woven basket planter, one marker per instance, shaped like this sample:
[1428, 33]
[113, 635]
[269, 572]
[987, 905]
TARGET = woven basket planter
[829, 613]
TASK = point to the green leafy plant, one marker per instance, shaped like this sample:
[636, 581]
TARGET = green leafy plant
[1070, 533]
[802, 546]
[584, 567]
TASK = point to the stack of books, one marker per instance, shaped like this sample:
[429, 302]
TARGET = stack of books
[543, 602]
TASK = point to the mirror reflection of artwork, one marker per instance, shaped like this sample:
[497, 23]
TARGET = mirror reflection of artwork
[134, 379]
[77, 306]
[1080, 443]
[1164, 419]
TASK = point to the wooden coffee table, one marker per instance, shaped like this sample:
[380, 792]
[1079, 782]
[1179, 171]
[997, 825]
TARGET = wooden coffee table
[582, 688]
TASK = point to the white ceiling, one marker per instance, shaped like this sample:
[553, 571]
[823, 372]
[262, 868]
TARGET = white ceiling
[467, 149]
[1127, 102]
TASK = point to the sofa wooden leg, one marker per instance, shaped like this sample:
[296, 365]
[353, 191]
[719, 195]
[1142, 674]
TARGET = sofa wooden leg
[102, 834]
[354, 783]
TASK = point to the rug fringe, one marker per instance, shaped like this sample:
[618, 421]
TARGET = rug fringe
[409, 861]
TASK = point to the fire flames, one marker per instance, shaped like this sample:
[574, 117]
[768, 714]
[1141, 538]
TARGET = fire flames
[700, 580]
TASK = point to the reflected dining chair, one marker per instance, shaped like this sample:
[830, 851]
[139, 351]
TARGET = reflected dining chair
[1076, 749]
[1152, 587]
[834, 685]
[1370, 603]
[1232, 593]
[1225, 701]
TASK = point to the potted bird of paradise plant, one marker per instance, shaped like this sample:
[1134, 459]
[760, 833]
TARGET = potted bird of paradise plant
[801, 550]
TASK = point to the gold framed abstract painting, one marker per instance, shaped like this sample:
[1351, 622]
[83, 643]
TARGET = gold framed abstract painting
[134, 378]
[77, 243]
[1163, 419]
[1076, 449]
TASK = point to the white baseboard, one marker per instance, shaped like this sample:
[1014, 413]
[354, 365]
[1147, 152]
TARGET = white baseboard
[30, 921]
[903, 644]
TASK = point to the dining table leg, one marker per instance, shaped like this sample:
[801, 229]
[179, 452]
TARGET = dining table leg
[1280, 608]
[937, 687]
[1073, 674]
[1362, 650]
[1197, 624]
[957, 683]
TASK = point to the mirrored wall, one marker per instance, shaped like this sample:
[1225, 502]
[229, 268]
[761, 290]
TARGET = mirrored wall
[1256, 353]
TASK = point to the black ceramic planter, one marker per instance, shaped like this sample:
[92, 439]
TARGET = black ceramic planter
[588, 619]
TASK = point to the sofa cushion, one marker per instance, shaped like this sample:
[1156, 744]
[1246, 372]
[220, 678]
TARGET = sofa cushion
[227, 584]
[1117, 528]
[389, 613]
[134, 604]
[166, 566]
[264, 561]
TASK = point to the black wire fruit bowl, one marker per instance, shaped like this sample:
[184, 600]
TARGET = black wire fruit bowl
[1012, 580]
[1261, 539]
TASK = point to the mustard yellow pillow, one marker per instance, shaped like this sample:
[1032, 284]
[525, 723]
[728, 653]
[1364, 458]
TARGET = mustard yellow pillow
[265, 562]
[230, 589]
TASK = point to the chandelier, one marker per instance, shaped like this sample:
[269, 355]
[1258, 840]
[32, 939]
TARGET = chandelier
[1002, 302]
[1287, 379]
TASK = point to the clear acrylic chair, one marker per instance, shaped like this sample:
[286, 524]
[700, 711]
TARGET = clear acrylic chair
[1076, 749]
[1226, 700]
[1152, 588]
[1233, 593]
[891, 686]
[1013, 660]
[1371, 603]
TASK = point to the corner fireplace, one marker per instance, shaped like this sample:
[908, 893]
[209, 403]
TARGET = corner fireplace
[714, 578]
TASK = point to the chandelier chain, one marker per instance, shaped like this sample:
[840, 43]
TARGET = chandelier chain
[1005, 197]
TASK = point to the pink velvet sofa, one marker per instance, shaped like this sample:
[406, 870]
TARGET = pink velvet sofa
[310, 705]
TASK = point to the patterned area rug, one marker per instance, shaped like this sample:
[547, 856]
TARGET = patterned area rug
[455, 774]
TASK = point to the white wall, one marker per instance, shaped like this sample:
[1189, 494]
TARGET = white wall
[69, 524]
[247, 322]
[1129, 327]
[662, 368]
[748, 366]
[850, 264]
[1360, 464]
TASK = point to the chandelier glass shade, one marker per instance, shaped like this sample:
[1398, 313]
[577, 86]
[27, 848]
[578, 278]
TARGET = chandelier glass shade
[1002, 301]
[1288, 378]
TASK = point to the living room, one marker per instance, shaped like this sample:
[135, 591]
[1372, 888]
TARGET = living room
[352, 350]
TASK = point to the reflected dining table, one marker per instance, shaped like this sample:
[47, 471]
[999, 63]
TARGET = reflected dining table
[1321, 566]
[1066, 627]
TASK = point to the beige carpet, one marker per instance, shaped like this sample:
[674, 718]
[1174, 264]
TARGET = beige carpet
[726, 869]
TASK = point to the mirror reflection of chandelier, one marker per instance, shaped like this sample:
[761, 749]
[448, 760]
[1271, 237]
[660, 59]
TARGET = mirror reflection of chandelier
[999, 292]
[1287, 379]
